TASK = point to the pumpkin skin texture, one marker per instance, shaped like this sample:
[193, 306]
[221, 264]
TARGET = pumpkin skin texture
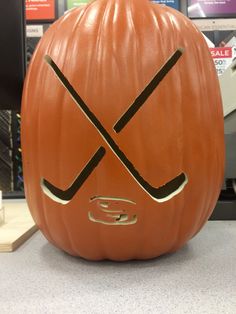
[109, 51]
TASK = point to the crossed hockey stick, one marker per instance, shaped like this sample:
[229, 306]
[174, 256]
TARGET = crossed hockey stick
[159, 194]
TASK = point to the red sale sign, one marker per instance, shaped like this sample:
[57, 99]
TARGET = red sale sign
[221, 52]
[223, 57]
[40, 10]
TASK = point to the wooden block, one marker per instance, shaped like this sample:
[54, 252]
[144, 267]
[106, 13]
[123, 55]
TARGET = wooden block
[2, 215]
[18, 225]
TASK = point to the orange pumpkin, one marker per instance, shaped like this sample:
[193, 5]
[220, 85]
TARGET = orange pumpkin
[122, 131]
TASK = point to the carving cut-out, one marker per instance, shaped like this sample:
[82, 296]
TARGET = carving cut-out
[117, 211]
[159, 194]
[64, 197]
[118, 220]
[139, 101]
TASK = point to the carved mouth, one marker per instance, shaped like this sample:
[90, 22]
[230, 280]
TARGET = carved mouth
[110, 211]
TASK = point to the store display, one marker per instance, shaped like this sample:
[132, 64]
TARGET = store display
[223, 58]
[171, 3]
[124, 153]
[75, 3]
[34, 33]
[41, 10]
[225, 63]
[17, 159]
[11, 176]
[228, 83]
[6, 164]
[5, 127]
[12, 53]
[211, 9]
[221, 38]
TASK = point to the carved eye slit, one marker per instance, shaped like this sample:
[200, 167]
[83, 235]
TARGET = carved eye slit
[159, 194]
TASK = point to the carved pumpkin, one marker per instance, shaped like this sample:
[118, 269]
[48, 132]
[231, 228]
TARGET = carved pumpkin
[122, 131]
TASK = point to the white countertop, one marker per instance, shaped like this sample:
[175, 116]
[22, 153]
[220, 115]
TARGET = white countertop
[200, 278]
